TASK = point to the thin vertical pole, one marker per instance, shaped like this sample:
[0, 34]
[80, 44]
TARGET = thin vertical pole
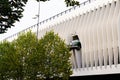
[38, 18]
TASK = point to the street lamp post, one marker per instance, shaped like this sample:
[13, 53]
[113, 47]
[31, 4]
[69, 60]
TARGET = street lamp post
[37, 17]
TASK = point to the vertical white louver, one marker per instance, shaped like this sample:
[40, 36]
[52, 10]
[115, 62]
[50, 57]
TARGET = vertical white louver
[114, 31]
[118, 30]
[81, 35]
[104, 36]
[94, 36]
[109, 33]
[86, 45]
[91, 40]
[98, 33]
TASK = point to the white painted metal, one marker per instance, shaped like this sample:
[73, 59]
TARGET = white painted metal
[86, 40]
[82, 39]
[118, 30]
[89, 38]
[99, 36]
[92, 39]
[109, 33]
[95, 37]
[114, 32]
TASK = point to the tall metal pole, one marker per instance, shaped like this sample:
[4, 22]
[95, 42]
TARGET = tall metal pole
[38, 18]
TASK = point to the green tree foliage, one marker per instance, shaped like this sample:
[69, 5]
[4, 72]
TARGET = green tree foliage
[56, 57]
[27, 58]
[71, 2]
[11, 11]
[14, 56]
[25, 45]
[7, 60]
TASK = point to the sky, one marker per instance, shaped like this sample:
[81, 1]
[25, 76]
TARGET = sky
[47, 9]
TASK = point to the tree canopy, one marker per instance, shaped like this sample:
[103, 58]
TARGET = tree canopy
[27, 58]
[11, 11]
[56, 63]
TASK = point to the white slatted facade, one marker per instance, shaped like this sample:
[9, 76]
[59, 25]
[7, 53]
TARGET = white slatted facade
[98, 27]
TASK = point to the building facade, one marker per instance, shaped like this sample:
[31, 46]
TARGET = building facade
[97, 25]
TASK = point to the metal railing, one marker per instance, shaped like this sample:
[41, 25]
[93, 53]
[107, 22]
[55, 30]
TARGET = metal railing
[53, 17]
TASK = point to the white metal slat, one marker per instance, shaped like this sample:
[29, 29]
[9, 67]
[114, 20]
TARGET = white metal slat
[63, 30]
[118, 28]
[114, 32]
[72, 25]
[80, 19]
[66, 32]
[68, 22]
[91, 39]
[96, 25]
[76, 23]
[100, 54]
[55, 29]
[104, 29]
[104, 36]
[89, 36]
[81, 38]
[109, 34]
[60, 30]
[86, 40]
[84, 34]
